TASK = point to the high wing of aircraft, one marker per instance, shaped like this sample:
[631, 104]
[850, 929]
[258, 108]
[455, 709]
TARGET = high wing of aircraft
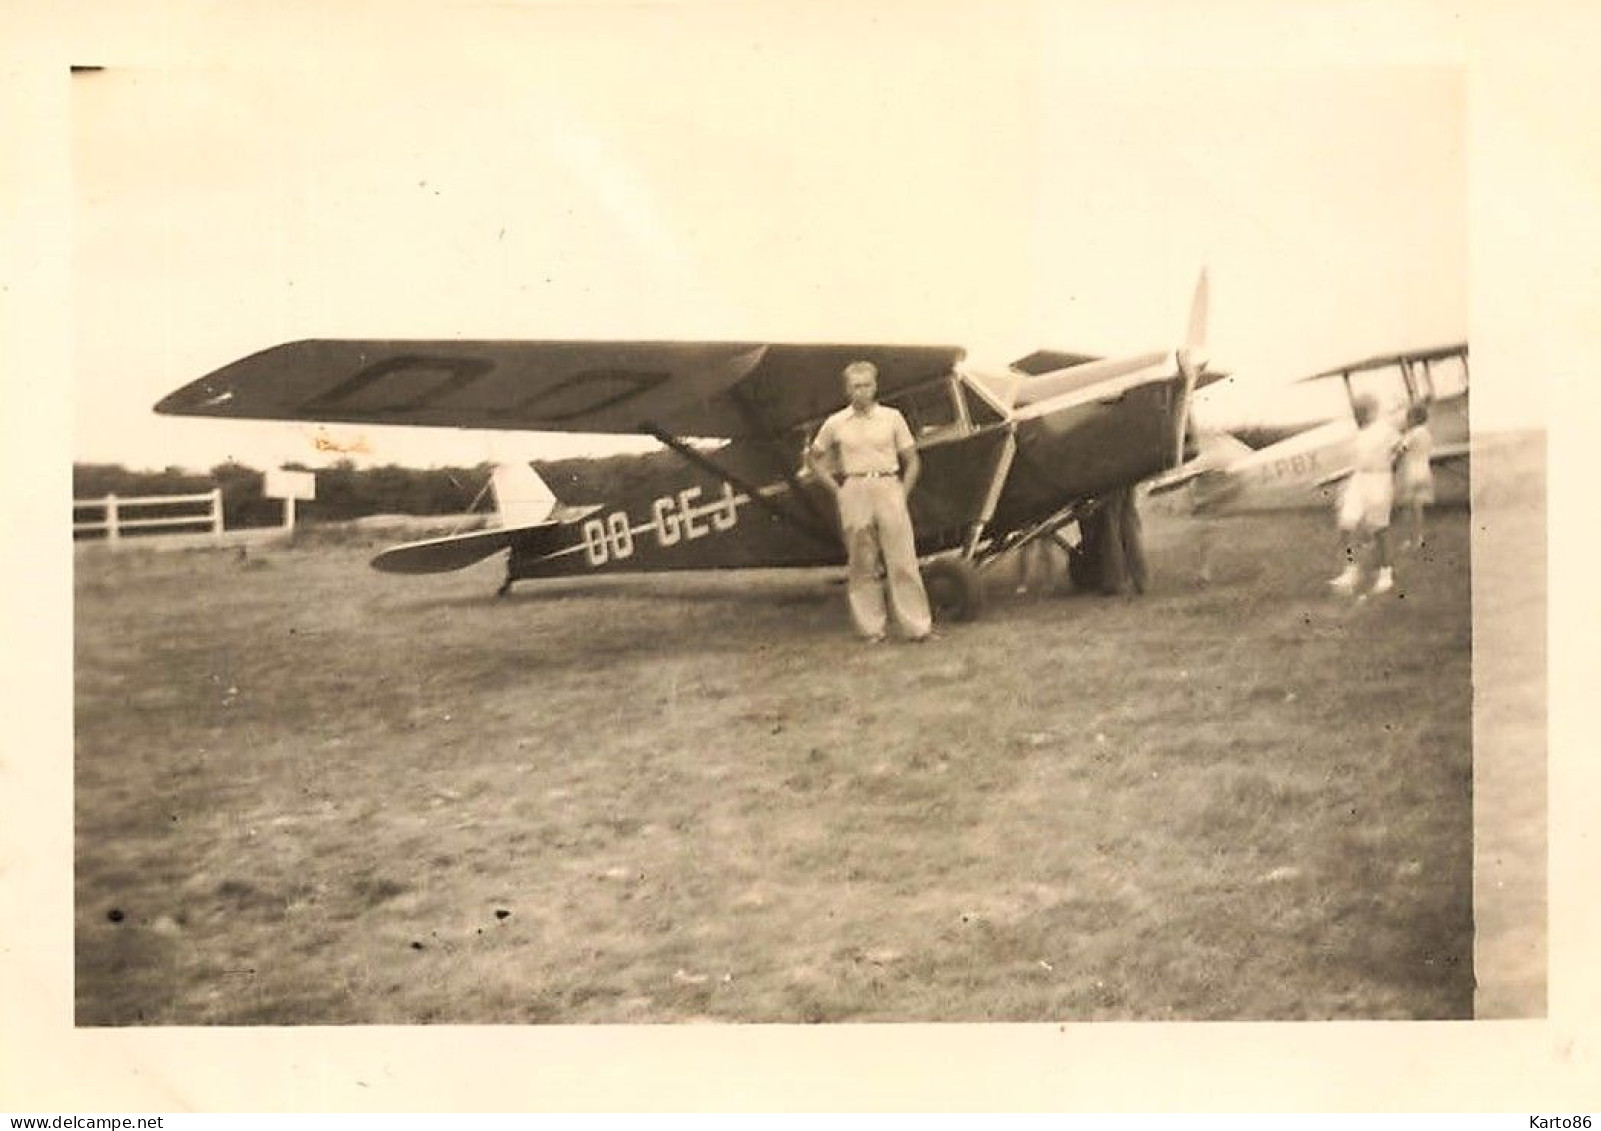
[1054, 439]
[1305, 469]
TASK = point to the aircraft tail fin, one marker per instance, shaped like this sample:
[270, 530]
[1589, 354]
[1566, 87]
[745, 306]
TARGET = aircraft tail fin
[527, 510]
[521, 496]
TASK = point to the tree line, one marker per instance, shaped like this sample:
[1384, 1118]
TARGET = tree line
[345, 491]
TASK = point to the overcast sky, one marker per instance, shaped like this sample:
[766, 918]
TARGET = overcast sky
[621, 172]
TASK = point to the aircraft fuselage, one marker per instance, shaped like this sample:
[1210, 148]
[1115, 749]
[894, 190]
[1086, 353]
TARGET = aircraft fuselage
[1021, 467]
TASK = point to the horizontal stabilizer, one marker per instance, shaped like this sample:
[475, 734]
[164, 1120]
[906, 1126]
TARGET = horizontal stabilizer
[458, 551]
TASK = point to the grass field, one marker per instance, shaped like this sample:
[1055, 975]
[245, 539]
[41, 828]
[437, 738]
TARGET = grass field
[310, 793]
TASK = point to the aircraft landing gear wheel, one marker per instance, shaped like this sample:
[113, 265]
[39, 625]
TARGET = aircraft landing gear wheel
[954, 590]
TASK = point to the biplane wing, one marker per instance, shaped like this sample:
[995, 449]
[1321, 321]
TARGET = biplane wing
[707, 389]
[1392, 360]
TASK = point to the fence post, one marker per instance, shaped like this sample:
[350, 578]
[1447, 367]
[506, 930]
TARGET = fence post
[216, 514]
[111, 519]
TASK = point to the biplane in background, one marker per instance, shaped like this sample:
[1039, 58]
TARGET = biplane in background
[1055, 439]
[1305, 469]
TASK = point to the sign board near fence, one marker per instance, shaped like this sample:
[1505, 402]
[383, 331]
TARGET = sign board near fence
[284, 484]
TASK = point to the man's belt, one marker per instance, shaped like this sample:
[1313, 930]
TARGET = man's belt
[872, 475]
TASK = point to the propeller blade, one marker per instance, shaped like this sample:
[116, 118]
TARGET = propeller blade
[1195, 339]
[1191, 358]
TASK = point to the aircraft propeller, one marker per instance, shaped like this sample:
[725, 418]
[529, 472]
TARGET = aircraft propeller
[1191, 359]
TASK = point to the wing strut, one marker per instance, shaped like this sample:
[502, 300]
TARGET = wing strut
[1050, 527]
[757, 423]
[1003, 467]
[810, 529]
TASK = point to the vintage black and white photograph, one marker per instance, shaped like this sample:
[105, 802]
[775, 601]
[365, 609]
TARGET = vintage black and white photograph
[694, 518]
[803, 521]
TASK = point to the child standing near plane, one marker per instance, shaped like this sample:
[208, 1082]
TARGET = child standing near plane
[1414, 475]
[1368, 497]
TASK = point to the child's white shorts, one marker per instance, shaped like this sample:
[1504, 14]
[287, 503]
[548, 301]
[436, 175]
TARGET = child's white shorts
[1366, 502]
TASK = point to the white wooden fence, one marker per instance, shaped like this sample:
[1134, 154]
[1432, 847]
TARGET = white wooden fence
[116, 519]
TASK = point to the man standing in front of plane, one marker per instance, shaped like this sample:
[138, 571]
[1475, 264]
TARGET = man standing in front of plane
[865, 455]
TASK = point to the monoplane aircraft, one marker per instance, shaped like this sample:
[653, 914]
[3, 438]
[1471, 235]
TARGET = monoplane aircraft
[1054, 439]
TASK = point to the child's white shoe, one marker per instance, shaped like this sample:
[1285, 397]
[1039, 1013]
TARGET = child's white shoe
[1385, 582]
[1346, 582]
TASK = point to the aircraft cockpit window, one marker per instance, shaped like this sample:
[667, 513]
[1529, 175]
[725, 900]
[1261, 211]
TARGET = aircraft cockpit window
[930, 410]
